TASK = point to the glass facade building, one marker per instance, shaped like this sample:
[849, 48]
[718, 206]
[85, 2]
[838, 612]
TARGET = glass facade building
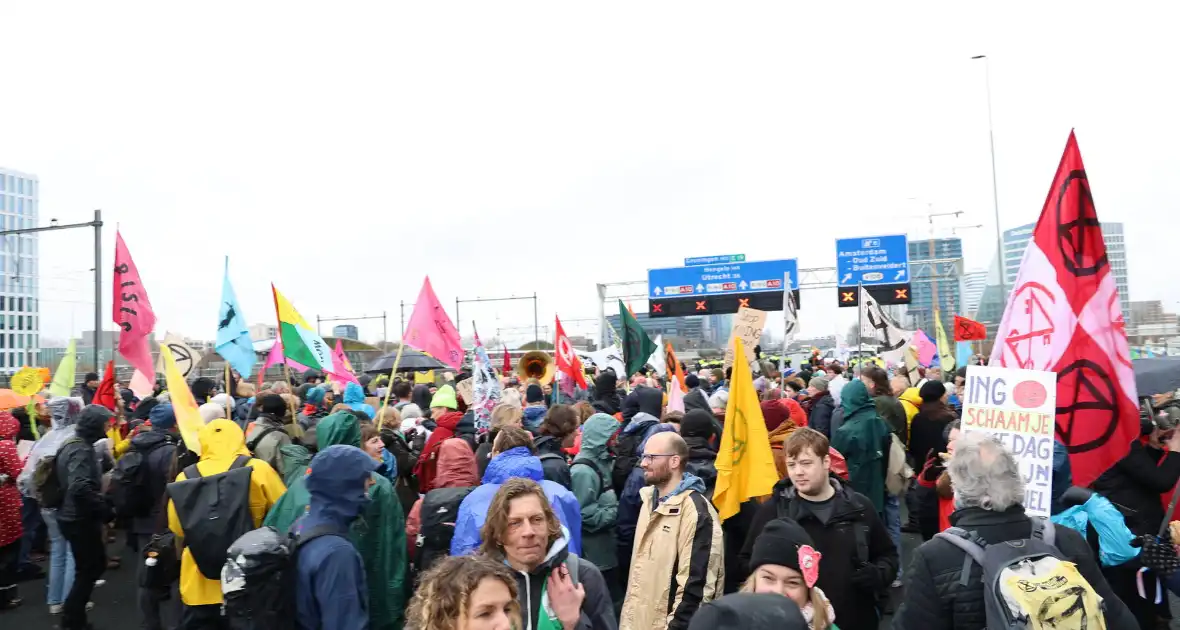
[20, 317]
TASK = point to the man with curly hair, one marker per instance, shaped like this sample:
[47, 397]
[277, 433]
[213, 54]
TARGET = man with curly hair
[556, 588]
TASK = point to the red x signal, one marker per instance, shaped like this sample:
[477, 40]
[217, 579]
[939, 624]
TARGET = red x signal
[848, 296]
[656, 307]
[701, 306]
[901, 294]
[743, 302]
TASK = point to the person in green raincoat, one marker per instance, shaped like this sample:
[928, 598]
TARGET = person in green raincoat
[862, 442]
[379, 535]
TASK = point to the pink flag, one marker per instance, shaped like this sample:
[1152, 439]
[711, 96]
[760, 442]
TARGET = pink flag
[431, 330]
[926, 347]
[275, 357]
[340, 363]
[141, 385]
[132, 312]
[675, 398]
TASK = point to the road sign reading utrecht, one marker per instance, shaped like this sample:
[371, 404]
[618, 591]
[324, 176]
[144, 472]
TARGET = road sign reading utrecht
[872, 260]
[713, 260]
[722, 279]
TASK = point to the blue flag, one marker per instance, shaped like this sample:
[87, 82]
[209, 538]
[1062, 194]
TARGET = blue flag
[233, 338]
[962, 352]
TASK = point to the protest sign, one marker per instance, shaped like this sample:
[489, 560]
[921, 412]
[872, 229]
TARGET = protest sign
[747, 326]
[466, 390]
[1019, 408]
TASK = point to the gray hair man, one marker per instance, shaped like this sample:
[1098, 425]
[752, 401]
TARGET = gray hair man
[989, 492]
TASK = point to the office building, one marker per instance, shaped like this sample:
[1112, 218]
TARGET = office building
[1017, 239]
[935, 271]
[972, 286]
[20, 317]
[1149, 321]
[346, 331]
[262, 332]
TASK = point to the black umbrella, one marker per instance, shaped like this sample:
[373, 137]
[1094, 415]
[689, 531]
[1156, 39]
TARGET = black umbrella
[412, 361]
[1157, 376]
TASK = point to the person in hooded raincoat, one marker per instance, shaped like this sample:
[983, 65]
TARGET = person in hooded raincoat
[590, 474]
[222, 442]
[518, 461]
[379, 535]
[354, 397]
[11, 530]
[606, 395]
[330, 583]
[862, 440]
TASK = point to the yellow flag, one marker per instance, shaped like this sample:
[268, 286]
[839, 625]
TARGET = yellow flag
[63, 379]
[188, 417]
[745, 465]
[946, 356]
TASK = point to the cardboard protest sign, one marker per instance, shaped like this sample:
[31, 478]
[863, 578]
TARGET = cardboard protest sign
[1019, 408]
[466, 390]
[747, 326]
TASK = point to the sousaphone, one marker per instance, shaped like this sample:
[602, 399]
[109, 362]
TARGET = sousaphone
[536, 364]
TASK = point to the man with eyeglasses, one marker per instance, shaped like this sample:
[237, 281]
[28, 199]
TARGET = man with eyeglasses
[677, 542]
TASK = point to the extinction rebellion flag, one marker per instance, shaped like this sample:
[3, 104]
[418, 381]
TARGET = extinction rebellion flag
[1063, 316]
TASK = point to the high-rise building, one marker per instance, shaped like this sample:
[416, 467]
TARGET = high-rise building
[936, 266]
[973, 284]
[20, 317]
[346, 331]
[1016, 241]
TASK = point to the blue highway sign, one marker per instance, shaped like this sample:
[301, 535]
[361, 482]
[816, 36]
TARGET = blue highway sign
[872, 260]
[713, 260]
[722, 279]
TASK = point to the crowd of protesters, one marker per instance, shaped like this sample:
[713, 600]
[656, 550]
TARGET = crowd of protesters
[592, 512]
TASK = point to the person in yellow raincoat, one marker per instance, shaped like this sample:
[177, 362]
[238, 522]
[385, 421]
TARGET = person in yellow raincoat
[222, 441]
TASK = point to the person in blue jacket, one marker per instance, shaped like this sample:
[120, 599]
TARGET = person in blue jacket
[354, 397]
[513, 455]
[331, 591]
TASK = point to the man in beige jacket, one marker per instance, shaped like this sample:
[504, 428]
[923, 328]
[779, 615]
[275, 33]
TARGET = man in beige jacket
[676, 563]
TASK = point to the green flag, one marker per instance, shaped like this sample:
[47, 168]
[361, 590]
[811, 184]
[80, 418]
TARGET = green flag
[637, 346]
[63, 379]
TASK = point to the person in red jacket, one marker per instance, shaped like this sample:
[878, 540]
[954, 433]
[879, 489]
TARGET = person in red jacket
[11, 529]
[444, 411]
[934, 475]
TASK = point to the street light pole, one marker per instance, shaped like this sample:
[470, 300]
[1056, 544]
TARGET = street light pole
[991, 139]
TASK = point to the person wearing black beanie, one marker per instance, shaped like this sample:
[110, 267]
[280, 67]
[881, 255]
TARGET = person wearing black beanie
[741, 611]
[784, 561]
[927, 431]
[696, 398]
[606, 394]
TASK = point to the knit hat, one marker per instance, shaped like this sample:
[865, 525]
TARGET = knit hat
[162, 417]
[691, 381]
[90, 376]
[932, 391]
[820, 383]
[749, 610]
[785, 543]
[272, 404]
[445, 397]
[534, 394]
[315, 396]
[697, 423]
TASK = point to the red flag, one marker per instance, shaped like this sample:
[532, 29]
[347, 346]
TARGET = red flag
[969, 330]
[132, 312]
[105, 394]
[1064, 316]
[568, 362]
[507, 369]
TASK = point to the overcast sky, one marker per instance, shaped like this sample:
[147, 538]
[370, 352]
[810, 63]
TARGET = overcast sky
[506, 148]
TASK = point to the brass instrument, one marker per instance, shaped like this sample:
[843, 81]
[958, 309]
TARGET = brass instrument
[536, 364]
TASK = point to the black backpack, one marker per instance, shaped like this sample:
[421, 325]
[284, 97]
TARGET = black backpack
[440, 510]
[258, 582]
[131, 483]
[626, 458]
[252, 445]
[213, 511]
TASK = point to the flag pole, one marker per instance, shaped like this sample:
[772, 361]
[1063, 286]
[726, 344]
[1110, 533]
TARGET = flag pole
[860, 310]
[228, 394]
[396, 360]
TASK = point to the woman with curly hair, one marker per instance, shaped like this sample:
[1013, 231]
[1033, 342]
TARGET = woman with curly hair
[465, 593]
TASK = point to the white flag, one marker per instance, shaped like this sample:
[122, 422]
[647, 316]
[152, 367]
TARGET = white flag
[790, 313]
[609, 357]
[875, 323]
[186, 358]
[656, 360]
